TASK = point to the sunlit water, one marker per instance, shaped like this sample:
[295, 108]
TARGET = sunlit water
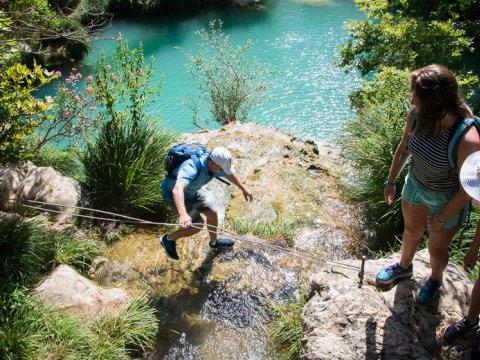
[297, 39]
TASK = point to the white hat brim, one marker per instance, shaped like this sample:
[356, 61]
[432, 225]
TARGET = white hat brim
[470, 175]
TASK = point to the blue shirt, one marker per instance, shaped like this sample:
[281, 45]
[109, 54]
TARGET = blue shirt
[187, 174]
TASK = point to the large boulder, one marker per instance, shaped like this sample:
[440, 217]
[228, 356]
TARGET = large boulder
[66, 289]
[344, 320]
[30, 186]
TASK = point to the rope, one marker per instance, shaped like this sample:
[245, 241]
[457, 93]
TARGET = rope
[200, 226]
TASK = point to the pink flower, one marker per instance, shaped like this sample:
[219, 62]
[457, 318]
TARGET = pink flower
[78, 76]
[89, 89]
[89, 78]
[65, 115]
[63, 90]
[58, 73]
[68, 81]
[93, 108]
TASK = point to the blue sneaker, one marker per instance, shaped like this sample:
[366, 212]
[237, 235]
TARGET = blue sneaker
[429, 291]
[170, 247]
[456, 330]
[393, 273]
[222, 243]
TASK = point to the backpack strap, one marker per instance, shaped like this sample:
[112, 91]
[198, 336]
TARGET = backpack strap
[459, 130]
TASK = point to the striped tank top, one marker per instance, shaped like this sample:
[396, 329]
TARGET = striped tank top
[430, 165]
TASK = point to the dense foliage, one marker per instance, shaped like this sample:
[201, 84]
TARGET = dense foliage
[411, 33]
[49, 31]
[21, 113]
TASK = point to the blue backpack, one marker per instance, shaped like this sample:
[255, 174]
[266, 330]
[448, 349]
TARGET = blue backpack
[178, 154]
[460, 129]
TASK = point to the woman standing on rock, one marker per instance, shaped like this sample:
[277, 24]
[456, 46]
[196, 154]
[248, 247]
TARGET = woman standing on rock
[431, 197]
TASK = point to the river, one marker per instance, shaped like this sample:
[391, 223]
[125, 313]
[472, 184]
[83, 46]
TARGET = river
[297, 39]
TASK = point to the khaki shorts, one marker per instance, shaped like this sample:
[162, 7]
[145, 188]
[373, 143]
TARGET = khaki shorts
[195, 206]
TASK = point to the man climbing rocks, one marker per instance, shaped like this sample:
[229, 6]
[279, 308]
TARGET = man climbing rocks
[181, 187]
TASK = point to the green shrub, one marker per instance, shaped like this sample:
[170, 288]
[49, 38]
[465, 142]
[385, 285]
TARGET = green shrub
[124, 167]
[26, 249]
[66, 161]
[368, 144]
[286, 330]
[230, 83]
[380, 88]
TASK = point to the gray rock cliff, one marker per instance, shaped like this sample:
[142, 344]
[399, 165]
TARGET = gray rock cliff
[346, 321]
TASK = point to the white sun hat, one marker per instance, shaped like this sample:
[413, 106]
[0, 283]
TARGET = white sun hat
[222, 157]
[470, 175]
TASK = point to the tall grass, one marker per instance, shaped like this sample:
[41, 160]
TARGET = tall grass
[265, 228]
[368, 143]
[78, 254]
[66, 161]
[462, 241]
[26, 250]
[124, 167]
[286, 330]
[29, 330]
[134, 324]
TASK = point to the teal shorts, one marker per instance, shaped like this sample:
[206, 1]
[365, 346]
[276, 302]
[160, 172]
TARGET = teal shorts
[415, 193]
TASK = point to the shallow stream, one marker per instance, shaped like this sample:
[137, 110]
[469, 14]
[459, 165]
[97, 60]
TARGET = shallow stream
[212, 304]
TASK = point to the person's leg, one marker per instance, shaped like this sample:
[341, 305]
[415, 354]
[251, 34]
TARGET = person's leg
[438, 243]
[458, 329]
[474, 308]
[415, 219]
[212, 225]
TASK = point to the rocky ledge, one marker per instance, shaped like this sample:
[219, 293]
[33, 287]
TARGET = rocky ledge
[343, 320]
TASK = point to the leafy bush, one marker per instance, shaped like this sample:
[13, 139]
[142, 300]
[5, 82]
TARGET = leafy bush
[380, 88]
[229, 82]
[20, 111]
[368, 143]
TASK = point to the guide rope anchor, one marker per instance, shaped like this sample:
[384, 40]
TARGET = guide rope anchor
[362, 272]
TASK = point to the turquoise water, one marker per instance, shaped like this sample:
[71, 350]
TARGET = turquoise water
[298, 40]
